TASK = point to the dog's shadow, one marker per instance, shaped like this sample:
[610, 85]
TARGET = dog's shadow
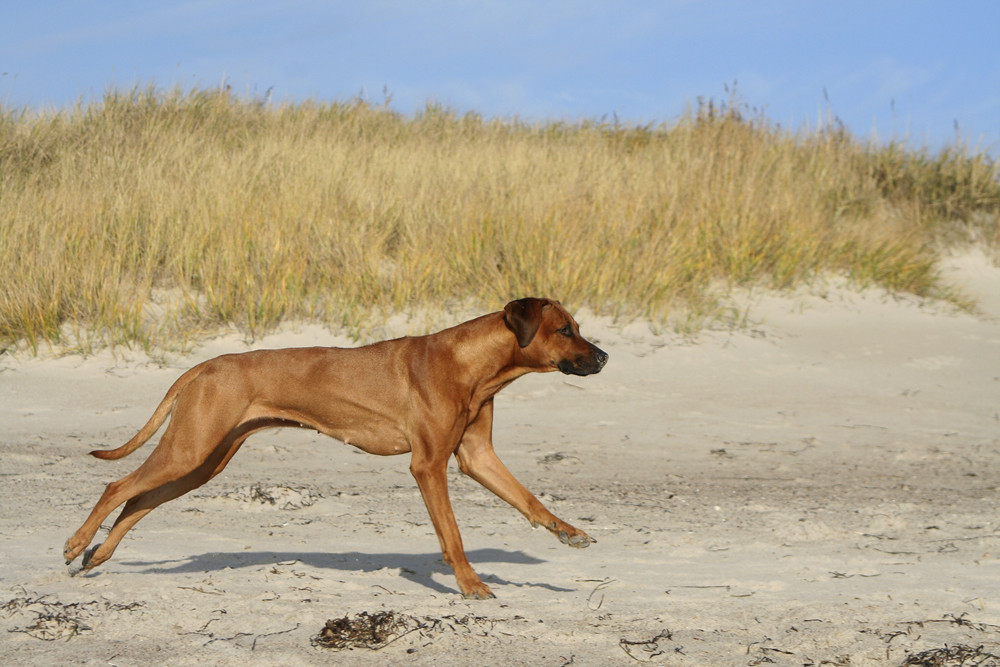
[417, 568]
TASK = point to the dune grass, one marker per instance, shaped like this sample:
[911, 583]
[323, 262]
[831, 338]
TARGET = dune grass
[148, 218]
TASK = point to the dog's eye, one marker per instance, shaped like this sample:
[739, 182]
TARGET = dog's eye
[566, 331]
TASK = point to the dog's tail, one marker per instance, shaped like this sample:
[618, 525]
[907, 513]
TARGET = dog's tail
[155, 422]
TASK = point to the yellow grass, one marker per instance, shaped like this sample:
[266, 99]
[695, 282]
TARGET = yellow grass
[150, 217]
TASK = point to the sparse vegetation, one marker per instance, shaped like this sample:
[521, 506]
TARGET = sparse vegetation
[149, 217]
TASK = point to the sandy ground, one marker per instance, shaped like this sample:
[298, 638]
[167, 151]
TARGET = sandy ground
[817, 489]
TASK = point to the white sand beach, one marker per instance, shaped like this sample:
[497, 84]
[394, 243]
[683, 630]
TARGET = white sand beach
[819, 488]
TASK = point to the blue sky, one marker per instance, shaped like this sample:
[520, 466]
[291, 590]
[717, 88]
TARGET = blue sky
[892, 69]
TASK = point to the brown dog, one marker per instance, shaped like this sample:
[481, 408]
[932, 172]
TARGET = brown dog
[429, 395]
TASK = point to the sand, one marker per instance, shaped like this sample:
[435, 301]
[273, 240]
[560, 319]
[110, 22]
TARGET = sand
[817, 488]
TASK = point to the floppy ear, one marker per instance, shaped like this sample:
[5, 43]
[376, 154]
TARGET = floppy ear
[523, 317]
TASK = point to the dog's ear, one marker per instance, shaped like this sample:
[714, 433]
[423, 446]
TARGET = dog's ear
[524, 316]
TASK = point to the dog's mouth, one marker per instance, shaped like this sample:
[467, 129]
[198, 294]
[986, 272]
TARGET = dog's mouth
[584, 365]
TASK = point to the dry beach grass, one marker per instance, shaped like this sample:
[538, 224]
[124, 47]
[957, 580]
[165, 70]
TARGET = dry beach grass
[148, 217]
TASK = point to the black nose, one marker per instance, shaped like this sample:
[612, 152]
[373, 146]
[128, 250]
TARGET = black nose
[601, 357]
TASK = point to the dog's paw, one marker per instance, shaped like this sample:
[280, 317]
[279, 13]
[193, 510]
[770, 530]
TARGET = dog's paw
[87, 556]
[580, 541]
[479, 591]
[567, 534]
[70, 553]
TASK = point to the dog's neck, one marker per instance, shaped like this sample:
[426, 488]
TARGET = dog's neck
[484, 347]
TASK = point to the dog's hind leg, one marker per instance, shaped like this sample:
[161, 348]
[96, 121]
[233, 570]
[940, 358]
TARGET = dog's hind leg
[126, 490]
[144, 502]
[181, 452]
[114, 495]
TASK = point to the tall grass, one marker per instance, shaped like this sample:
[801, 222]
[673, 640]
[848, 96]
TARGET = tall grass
[149, 217]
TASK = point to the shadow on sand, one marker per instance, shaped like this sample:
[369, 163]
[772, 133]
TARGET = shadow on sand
[417, 568]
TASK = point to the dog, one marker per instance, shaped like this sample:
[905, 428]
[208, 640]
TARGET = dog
[431, 396]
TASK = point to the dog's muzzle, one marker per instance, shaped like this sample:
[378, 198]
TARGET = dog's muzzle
[587, 364]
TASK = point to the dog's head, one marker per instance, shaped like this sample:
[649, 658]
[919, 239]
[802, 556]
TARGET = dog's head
[550, 338]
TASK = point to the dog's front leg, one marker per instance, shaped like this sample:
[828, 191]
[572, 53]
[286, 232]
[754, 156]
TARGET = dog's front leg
[477, 459]
[430, 469]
